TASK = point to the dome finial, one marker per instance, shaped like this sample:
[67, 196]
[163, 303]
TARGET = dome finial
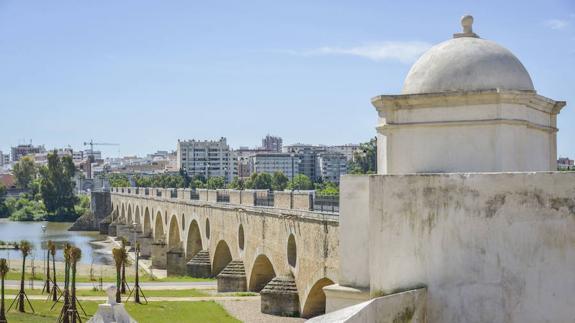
[467, 25]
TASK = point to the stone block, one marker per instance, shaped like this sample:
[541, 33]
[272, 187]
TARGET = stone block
[280, 297]
[302, 200]
[159, 255]
[248, 197]
[212, 196]
[282, 200]
[199, 266]
[232, 278]
[176, 262]
[235, 197]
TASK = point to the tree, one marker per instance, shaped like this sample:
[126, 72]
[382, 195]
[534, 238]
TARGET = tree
[365, 160]
[3, 271]
[4, 212]
[57, 186]
[328, 188]
[300, 182]
[25, 248]
[215, 182]
[120, 257]
[24, 171]
[119, 180]
[279, 181]
[237, 184]
[75, 255]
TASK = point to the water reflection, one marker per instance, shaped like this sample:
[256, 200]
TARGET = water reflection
[57, 232]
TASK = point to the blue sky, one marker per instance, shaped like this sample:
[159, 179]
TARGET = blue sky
[145, 73]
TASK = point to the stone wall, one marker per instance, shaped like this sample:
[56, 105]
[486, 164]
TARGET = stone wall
[494, 247]
[100, 208]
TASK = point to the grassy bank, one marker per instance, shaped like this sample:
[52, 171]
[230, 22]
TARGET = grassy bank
[156, 312]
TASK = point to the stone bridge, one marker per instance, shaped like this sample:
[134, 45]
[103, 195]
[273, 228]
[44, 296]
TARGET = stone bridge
[284, 251]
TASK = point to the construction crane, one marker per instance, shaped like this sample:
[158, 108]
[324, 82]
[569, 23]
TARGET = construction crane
[91, 143]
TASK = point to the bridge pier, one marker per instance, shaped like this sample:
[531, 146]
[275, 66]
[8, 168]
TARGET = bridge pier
[145, 241]
[199, 266]
[112, 229]
[123, 231]
[176, 262]
[232, 278]
[159, 254]
[280, 297]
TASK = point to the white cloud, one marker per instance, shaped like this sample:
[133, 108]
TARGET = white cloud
[556, 24]
[404, 52]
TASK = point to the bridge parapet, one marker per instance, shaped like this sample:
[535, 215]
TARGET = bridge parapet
[294, 200]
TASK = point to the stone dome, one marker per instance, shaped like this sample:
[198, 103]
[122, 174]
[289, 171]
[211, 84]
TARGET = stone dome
[466, 63]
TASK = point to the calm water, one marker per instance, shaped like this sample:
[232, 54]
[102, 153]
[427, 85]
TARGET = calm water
[57, 232]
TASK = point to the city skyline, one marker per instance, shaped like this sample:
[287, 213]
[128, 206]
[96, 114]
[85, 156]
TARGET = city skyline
[145, 74]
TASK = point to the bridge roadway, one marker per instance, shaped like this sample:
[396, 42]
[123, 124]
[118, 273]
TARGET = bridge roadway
[285, 252]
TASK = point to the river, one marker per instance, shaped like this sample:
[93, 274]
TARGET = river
[12, 231]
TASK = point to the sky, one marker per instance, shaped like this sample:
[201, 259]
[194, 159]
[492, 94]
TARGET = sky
[144, 74]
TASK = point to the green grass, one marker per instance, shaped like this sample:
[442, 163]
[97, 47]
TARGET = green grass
[144, 277]
[155, 312]
[148, 293]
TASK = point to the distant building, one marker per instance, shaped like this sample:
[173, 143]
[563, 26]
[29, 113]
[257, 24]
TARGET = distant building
[1, 158]
[208, 158]
[42, 158]
[565, 163]
[96, 154]
[6, 159]
[77, 156]
[347, 150]
[272, 162]
[331, 165]
[308, 158]
[272, 143]
[23, 150]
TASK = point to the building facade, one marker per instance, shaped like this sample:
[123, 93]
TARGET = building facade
[24, 150]
[331, 165]
[272, 143]
[269, 163]
[208, 158]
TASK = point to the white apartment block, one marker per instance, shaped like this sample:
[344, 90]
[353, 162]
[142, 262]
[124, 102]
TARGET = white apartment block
[208, 158]
[331, 166]
[270, 163]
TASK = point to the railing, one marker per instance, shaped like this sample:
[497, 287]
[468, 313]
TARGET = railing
[223, 196]
[137, 191]
[158, 193]
[264, 198]
[194, 195]
[174, 193]
[326, 203]
[147, 191]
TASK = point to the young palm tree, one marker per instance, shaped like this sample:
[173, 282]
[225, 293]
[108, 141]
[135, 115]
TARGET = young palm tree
[66, 307]
[75, 255]
[3, 271]
[47, 282]
[120, 257]
[124, 283]
[52, 248]
[25, 248]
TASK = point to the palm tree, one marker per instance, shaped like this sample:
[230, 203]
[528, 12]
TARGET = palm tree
[3, 271]
[52, 248]
[47, 283]
[25, 248]
[66, 307]
[120, 257]
[123, 285]
[75, 255]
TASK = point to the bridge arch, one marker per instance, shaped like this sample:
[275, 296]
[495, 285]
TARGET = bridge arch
[122, 214]
[262, 272]
[129, 220]
[174, 239]
[194, 240]
[315, 302]
[147, 228]
[222, 257]
[137, 215]
[159, 227]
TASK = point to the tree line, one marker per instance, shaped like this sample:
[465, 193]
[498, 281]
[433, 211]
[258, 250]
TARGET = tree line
[49, 191]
